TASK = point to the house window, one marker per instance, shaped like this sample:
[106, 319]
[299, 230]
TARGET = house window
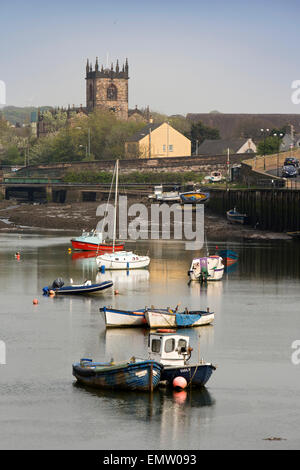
[91, 92]
[169, 345]
[156, 345]
[112, 92]
[164, 148]
[170, 148]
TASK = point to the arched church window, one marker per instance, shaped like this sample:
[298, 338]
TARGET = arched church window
[112, 92]
[91, 92]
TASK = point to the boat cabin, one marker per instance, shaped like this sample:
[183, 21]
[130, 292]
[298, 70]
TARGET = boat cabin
[169, 348]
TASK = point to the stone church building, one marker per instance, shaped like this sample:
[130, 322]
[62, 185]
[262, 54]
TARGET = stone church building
[106, 89]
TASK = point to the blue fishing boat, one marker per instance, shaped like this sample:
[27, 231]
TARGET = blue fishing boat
[173, 351]
[236, 217]
[133, 375]
[87, 287]
[228, 256]
[194, 197]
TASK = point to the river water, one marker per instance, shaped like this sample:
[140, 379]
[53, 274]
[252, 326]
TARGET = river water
[253, 395]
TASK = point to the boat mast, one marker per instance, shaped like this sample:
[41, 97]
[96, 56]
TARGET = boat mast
[116, 201]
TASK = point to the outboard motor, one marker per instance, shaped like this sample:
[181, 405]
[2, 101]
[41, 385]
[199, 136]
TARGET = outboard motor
[57, 283]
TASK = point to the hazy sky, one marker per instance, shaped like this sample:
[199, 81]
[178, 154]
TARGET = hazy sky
[184, 56]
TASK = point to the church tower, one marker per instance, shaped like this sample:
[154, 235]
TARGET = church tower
[107, 88]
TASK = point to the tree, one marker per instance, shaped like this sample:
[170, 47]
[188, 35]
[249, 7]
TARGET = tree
[269, 146]
[200, 132]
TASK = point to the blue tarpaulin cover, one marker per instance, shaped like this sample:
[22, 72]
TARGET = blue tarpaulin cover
[185, 319]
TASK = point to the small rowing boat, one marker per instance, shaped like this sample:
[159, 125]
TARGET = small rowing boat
[123, 318]
[236, 217]
[132, 375]
[194, 197]
[229, 257]
[168, 318]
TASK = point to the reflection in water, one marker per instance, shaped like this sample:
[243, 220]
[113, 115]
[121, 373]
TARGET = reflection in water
[170, 408]
[129, 279]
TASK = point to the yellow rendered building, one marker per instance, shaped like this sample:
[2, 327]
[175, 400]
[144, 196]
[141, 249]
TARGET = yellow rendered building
[158, 140]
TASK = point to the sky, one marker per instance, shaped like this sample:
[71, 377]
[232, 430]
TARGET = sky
[184, 56]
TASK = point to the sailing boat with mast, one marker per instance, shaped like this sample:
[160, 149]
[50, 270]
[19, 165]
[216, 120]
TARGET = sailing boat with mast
[94, 241]
[120, 259]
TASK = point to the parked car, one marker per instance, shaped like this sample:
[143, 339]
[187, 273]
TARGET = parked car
[292, 161]
[289, 171]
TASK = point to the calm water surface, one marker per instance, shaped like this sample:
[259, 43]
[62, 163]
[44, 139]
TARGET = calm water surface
[253, 394]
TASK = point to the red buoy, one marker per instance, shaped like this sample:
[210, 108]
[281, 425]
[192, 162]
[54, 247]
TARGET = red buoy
[179, 382]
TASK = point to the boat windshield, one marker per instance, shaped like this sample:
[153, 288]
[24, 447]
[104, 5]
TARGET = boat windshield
[170, 345]
[155, 347]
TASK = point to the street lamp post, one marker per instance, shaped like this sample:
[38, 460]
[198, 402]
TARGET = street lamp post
[279, 135]
[264, 132]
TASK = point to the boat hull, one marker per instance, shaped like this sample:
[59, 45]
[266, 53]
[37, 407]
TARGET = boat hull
[209, 268]
[217, 275]
[169, 320]
[121, 318]
[236, 217]
[195, 375]
[89, 289]
[108, 263]
[131, 376]
[88, 246]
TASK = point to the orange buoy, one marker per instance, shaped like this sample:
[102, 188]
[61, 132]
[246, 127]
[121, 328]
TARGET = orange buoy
[116, 292]
[51, 292]
[179, 382]
[35, 301]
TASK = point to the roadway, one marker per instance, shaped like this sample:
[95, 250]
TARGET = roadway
[292, 183]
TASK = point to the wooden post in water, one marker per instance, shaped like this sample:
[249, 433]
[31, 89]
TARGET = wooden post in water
[151, 379]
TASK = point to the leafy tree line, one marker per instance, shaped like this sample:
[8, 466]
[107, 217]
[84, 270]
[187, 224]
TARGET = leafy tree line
[133, 177]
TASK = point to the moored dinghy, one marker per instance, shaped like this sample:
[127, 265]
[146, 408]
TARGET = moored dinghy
[132, 375]
[86, 287]
[236, 217]
[194, 197]
[207, 268]
[123, 318]
[173, 351]
[168, 318]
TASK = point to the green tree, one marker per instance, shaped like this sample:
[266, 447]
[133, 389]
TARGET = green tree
[269, 146]
[200, 132]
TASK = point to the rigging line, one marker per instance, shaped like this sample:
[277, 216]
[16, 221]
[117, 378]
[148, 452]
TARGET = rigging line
[109, 195]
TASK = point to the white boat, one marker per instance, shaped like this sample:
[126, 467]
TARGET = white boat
[116, 318]
[121, 259]
[174, 353]
[161, 318]
[164, 196]
[214, 177]
[208, 268]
